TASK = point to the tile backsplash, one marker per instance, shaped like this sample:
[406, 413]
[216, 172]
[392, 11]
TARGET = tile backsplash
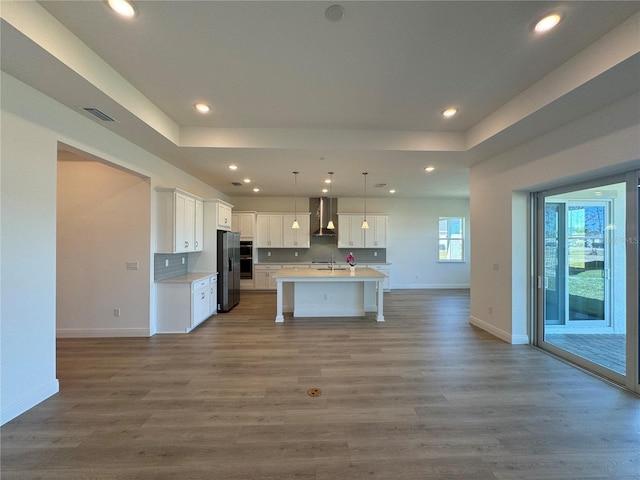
[175, 267]
[321, 250]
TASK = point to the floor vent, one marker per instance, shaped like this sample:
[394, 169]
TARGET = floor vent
[98, 114]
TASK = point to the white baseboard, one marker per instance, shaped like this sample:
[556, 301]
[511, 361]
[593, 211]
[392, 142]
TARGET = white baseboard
[28, 402]
[102, 332]
[496, 332]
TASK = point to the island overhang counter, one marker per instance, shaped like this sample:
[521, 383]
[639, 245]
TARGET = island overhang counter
[324, 292]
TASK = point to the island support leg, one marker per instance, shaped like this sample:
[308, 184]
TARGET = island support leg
[279, 315]
[380, 316]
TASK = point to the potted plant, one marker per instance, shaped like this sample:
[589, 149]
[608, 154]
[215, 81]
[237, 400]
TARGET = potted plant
[352, 263]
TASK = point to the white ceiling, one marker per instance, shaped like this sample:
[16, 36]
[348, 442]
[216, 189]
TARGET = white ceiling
[291, 90]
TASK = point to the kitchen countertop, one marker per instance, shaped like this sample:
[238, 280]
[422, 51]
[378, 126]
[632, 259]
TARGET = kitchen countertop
[326, 274]
[320, 264]
[187, 277]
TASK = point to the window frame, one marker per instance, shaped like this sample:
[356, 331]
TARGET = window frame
[449, 238]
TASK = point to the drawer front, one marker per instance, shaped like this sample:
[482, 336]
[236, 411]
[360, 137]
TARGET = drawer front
[200, 284]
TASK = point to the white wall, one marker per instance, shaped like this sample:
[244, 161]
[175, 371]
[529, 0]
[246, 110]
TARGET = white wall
[103, 222]
[603, 142]
[32, 126]
[412, 235]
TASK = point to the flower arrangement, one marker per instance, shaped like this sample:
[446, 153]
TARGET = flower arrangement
[351, 260]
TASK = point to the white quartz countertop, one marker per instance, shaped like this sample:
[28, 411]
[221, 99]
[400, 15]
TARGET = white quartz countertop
[321, 264]
[187, 277]
[327, 274]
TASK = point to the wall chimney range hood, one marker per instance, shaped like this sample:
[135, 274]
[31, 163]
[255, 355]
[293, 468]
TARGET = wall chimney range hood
[319, 208]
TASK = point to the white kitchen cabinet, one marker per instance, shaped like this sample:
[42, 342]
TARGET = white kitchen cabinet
[269, 232]
[298, 237]
[198, 228]
[213, 297]
[350, 232]
[185, 301]
[224, 215]
[376, 235]
[244, 222]
[386, 269]
[263, 275]
[180, 222]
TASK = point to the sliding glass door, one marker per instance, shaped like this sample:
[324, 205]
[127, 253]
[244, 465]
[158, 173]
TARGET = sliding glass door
[585, 309]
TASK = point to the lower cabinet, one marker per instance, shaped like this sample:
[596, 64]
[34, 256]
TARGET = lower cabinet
[386, 269]
[183, 303]
[263, 276]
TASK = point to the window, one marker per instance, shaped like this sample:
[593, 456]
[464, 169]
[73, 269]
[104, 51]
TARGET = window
[451, 239]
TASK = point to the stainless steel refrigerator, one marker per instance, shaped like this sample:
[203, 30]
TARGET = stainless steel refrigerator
[228, 270]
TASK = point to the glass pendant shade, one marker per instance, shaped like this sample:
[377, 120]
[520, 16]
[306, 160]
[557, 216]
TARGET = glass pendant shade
[365, 224]
[330, 225]
[295, 225]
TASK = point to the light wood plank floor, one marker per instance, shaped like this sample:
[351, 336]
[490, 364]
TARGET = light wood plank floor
[422, 396]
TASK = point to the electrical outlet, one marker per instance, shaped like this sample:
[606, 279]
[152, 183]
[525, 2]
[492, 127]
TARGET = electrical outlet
[326, 297]
[295, 254]
[490, 310]
[183, 260]
[116, 312]
[375, 254]
[166, 262]
[133, 265]
[268, 254]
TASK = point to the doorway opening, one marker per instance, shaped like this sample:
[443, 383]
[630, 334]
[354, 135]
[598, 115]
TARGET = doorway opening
[586, 312]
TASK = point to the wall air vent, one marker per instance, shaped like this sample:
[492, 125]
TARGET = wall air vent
[236, 184]
[380, 185]
[100, 115]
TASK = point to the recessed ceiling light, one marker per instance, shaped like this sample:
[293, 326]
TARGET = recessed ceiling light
[334, 13]
[247, 180]
[122, 7]
[393, 190]
[328, 180]
[429, 169]
[202, 107]
[449, 112]
[233, 167]
[325, 190]
[256, 189]
[547, 23]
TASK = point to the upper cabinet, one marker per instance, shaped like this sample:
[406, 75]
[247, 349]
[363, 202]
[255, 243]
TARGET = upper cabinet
[224, 215]
[352, 235]
[180, 221]
[269, 232]
[273, 230]
[296, 237]
[376, 235]
[244, 222]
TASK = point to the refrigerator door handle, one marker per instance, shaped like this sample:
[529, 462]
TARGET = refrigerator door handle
[230, 264]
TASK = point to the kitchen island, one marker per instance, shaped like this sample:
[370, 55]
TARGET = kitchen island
[324, 292]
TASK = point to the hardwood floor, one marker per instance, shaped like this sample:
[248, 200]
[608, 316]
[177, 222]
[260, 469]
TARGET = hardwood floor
[422, 396]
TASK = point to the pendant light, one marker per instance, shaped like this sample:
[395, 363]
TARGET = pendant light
[330, 225]
[295, 224]
[365, 224]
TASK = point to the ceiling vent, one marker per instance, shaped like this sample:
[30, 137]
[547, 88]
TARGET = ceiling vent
[380, 185]
[236, 184]
[100, 115]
